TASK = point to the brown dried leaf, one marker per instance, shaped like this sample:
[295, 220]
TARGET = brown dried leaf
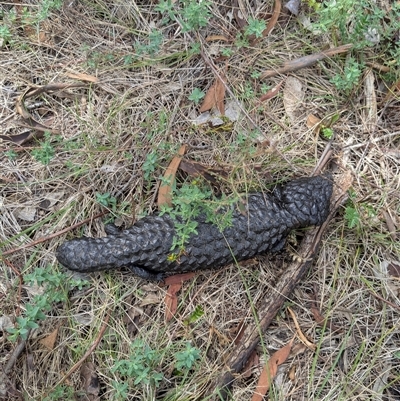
[389, 221]
[292, 373]
[28, 120]
[150, 299]
[44, 37]
[314, 123]
[272, 92]
[253, 361]
[31, 123]
[171, 301]
[297, 349]
[237, 13]
[213, 38]
[317, 315]
[197, 169]
[178, 278]
[21, 138]
[394, 270]
[50, 88]
[270, 370]
[320, 319]
[91, 383]
[50, 340]
[20, 106]
[165, 191]
[82, 77]
[215, 96]
[239, 331]
[293, 95]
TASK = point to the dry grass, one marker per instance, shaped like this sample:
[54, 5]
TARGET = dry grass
[107, 131]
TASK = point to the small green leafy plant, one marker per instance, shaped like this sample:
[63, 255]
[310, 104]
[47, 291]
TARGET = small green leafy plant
[46, 7]
[365, 25]
[351, 21]
[196, 95]
[55, 290]
[107, 200]
[327, 132]
[255, 74]
[11, 154]
[194, 316]
[349, 79]
[61, 393]
[241, 40]
[195, 14]
[45, 152]
[139, 369]
[359, 214]
[352, 216]
[5, 35]
[255, 27]
[227, 51]
[189, 201]
[29, 18]
[186, 359]
[150, 165]
[187, 205]
[153, 46]
[142, 368]
[190, 14]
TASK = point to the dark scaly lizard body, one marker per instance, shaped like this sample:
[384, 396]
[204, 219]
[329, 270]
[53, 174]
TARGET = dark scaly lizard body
[263, 227]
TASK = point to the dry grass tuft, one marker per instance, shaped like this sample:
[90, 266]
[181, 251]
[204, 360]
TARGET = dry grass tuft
[119, 134]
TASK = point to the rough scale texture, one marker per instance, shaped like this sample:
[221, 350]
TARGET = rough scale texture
[264, 226]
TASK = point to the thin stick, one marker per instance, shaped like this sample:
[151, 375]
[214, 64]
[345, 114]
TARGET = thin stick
[306, 61]
[385, 300]
[88, 352]
[323, 160]
[14, 356]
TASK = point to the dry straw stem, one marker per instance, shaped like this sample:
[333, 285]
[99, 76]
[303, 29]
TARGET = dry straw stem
[300, 334]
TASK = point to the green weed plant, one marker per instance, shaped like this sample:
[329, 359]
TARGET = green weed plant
[191, 15]
[365, 25]
[56, 287]
[188, 202]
